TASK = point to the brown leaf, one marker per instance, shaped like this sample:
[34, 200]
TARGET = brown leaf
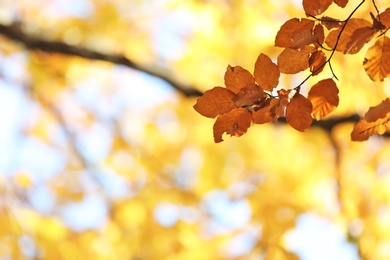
[280, 108]
[359, 38]
[248, 96]
[298, 112]
[341, 3]
[378, 112]
[377, 60]
[324, 98]
[303, 38]
[215, 102]
[292, 61]
[385, 18]
[331, 23]
[316, 62]
[352, 25]
[284, 37]
[316, 7]
[266, 114]
[237, 78]
[236, 122]
[319, 32]
[363, 130]
[266, 73]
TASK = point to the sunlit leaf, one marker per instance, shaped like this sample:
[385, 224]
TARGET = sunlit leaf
[292, 61]
[324, 98]
[298, 112]
[266, 72]
[237, 78]
[266, 114]
[385, 18]
[235, 122]
[214, 102]
[377, 60]
[290, 29]
[352, 25]
[248, 96]
[359, 38]
[341, 3]
[378, 112]
[331, 23]
[316, 62]
[316, 7]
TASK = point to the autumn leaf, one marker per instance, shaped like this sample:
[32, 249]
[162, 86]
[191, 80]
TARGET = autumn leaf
[319, 32]
[236, 122]
[377, 60]
[378, 112]
[266, 72]
[341, 3]
[292, 61]
[284, 99]
[374, 122]
[303, 38]
[324, 98]
[266, 114]
[316, 62]
[359, 38]
[316, 7]
[248, 95]
[290, 29]
[385, 18]
[298, 112]
[214, 102]
[352, 25]
[237, 78]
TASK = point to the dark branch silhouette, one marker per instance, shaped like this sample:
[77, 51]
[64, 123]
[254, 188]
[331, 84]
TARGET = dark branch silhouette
[15, 33]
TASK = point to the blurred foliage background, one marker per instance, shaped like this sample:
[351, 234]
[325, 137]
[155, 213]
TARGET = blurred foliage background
[102, 161]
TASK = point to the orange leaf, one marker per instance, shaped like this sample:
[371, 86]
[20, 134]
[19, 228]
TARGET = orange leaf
[352, 25]
[290, 29]
[359, 37]
[316, 7]
[292, 61]
[324, 98]
[236, 122]
[377, 60]
[316, 62]
[362, 130]
[237, 77]
[298, 112]
[266, 114]
[215, 102]
[248, 96]
[319, 32]
[341, 3]
[378, 112]
[385, 18]
[266, 73]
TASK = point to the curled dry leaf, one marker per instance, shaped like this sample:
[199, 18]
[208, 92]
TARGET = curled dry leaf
[266, 72]
[214, 102]
[378, 112]
[236, 122]
[237, 78]
[324, 98]
[352, 25]
[316, 7]
[291, 28]
[374, 122]
[292, 61]
[317, 62]
[298, 112]
[377, 60]
[248, 96]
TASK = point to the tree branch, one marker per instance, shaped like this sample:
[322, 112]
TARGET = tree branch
[15, 33]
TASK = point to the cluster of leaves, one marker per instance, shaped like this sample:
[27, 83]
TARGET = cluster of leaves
[257, 98]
